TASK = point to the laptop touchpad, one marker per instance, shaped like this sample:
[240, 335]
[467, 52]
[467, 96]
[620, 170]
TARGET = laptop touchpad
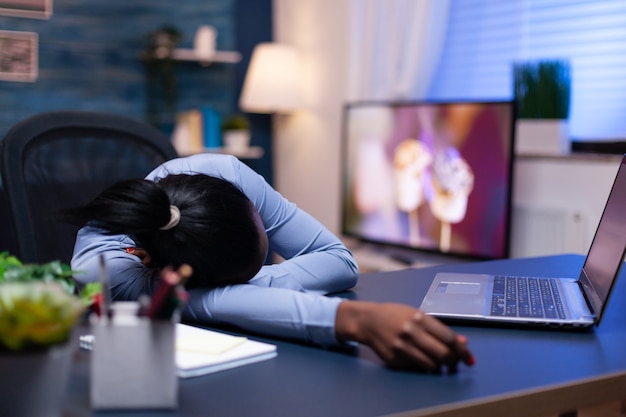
[468, 288]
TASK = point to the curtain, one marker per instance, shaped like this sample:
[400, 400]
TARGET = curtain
[394, 47]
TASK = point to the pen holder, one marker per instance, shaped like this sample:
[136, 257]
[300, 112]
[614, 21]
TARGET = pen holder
[133, 361]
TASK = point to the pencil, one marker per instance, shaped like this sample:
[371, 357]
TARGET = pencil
[105, 300]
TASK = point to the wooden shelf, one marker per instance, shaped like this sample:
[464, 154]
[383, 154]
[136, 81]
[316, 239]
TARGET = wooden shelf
[227, 57]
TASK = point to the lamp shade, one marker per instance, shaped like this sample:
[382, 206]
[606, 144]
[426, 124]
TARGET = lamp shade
[272, 83]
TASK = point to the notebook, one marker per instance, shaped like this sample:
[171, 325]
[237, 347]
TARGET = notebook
[490, 298]
[201, 351]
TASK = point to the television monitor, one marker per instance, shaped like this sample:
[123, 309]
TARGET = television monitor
[429, 176]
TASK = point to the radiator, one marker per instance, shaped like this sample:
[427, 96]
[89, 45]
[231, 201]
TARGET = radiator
[537, 231]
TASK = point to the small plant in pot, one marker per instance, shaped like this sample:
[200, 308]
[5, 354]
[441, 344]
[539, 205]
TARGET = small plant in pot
[542, 94]
[236, 132]
[39, 310]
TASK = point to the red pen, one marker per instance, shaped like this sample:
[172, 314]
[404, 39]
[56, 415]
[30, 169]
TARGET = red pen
[96, 304]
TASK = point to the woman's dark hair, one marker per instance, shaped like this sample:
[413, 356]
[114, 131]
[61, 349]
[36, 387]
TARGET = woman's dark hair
[217, 234]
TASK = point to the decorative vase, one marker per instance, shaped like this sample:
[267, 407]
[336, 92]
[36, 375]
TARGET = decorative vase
[33, 384]
[542, 136]
[236, 140]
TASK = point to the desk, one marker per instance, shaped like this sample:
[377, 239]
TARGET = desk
[560, 371]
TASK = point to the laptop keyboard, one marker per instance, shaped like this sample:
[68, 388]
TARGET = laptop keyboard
[526, 297]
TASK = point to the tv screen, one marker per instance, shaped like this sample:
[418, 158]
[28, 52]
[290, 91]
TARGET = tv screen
[429, 176]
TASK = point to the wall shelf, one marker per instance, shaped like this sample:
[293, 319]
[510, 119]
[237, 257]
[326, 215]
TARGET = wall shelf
[226, 57]
[252, 152]
[222, 57]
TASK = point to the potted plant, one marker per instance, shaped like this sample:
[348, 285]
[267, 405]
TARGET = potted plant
[542, 95]
[38, 313]
[236, 132]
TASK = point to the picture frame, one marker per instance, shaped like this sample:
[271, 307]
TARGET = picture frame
[19, 56]
[33, 9]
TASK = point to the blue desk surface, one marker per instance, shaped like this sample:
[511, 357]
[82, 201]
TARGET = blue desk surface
[309, 381]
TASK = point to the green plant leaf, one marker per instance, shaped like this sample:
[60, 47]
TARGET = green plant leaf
[89, 292]
[542, 89]
[7, 262]
[236, 122]
[13, 270]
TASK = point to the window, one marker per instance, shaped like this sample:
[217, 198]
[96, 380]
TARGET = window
[485, 37]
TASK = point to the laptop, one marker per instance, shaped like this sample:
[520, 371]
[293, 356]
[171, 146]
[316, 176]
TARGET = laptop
[576, 302]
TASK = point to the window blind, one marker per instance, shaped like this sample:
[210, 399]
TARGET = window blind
[485, 37]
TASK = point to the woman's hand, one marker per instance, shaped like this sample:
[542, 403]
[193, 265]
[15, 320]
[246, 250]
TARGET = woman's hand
[402, 336]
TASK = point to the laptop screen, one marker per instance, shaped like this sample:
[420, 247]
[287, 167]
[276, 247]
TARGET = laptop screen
[606, 252]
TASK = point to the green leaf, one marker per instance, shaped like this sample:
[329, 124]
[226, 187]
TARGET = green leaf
[542, 89]
[7, 262]
[89, 291]
[13, 270]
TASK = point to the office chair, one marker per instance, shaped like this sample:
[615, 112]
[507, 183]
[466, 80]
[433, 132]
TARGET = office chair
[62, 159]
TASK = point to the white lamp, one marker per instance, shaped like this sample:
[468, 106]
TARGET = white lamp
[272, 83]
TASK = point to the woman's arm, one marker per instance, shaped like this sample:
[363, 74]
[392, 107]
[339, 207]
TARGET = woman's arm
[128, 277]
[315, 259]
[270, 311]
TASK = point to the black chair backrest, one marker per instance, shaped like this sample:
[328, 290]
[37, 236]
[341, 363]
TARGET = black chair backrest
[63, 159]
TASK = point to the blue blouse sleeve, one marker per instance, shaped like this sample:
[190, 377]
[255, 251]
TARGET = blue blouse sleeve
[285, 299]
